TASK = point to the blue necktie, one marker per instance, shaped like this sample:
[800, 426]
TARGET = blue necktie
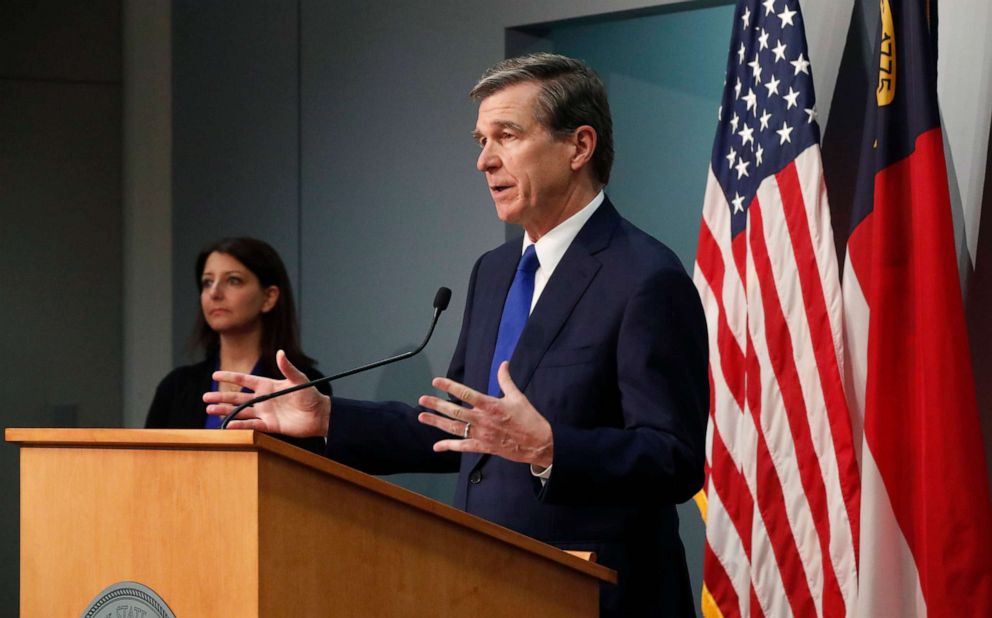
[516, 310]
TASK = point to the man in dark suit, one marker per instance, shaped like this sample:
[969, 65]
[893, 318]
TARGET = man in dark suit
[594, 429]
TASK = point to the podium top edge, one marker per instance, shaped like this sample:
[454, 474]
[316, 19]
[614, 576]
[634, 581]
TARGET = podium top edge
[131, 437]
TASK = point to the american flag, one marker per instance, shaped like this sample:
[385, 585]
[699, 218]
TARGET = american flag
[781, 496]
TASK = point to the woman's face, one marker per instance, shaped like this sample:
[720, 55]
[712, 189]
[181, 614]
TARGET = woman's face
[231, 297]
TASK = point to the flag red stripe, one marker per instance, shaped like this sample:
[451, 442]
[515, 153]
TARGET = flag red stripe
[823, 344]
[771, 504]
[756, 611]
[710, 262]
[719, 585]
[780, 351]
[738, 247]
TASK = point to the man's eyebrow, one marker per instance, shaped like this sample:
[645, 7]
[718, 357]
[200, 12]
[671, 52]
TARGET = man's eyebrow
[506, 124]
[500, 124]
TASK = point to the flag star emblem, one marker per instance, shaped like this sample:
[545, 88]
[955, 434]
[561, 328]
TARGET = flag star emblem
[738, 202]
[786, 16]
[731, 156]
[740, 54]
[759, 154]
[779, 51]
[746, 17]
[801, 64]
[769, 7]
[772, 86]
[737, 89]
[756, 67]
[751, 99]
[811, 112]
[746, 135]
[733, 122]
[762, 39]
[741, 168]
[765, 117]
[785, 134]
[791, 98]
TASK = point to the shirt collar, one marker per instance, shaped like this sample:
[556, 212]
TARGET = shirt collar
[551, 247]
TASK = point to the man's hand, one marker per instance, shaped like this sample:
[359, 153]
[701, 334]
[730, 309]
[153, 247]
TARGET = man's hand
[302, 414]
[509, 426]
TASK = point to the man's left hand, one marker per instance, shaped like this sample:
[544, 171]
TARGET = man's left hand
[507, 426]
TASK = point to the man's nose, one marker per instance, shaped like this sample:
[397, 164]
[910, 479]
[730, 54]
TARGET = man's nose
[488, 160]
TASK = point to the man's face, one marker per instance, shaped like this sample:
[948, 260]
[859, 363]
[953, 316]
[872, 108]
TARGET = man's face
[528, 171]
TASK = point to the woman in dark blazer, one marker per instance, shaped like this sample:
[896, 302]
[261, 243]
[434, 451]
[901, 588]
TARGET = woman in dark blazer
[246, 314]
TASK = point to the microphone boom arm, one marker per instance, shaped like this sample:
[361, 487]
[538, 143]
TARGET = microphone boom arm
[440, 304]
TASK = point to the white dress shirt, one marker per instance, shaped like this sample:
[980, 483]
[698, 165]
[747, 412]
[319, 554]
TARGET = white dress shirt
[552, 246]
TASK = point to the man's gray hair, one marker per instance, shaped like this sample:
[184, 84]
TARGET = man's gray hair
[571, 95]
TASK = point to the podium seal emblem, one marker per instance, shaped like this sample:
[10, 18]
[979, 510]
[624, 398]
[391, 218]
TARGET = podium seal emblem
[128, 600]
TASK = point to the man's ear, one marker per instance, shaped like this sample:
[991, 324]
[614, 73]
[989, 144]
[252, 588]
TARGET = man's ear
[584, 139]
[271, 298]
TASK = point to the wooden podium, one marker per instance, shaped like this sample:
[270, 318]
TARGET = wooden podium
[236, 523]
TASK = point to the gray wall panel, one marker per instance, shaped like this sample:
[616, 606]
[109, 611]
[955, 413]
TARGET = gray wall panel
[235, 145]
[60, 232]
[61, 40]
[147, 197]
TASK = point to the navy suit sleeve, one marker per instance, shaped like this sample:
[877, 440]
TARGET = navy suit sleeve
[386, 437]
[658, 455]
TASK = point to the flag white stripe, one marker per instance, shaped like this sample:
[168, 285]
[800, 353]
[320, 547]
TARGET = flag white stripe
[765, 575]
[728, 550]
[856, 314]
[887, 564]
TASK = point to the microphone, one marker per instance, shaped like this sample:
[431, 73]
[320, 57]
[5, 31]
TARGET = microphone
[441, 300]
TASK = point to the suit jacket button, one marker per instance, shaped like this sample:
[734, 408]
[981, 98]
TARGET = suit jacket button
[476, 477]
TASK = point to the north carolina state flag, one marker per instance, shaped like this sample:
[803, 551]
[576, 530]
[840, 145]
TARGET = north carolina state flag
[926, 519]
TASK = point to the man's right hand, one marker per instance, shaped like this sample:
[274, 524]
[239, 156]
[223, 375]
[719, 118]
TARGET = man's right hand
[302, 414]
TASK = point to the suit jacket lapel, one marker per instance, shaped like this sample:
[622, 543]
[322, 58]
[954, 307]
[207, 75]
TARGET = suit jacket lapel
[493, 285]
[566, 286]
